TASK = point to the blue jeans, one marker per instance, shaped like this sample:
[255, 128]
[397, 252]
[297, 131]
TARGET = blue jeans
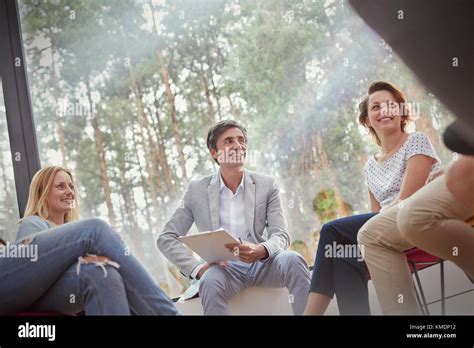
[51, 283]
[342, 272]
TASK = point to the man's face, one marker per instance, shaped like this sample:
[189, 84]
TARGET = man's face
[231, 148]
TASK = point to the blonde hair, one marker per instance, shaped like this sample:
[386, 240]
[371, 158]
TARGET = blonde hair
[40, 188]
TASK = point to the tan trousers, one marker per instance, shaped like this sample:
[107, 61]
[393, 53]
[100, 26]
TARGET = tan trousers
[430, 219]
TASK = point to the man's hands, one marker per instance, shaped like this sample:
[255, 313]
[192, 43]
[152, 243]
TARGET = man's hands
[248, 252]
[208, 265]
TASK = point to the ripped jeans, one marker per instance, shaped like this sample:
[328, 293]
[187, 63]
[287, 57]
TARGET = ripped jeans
[56, 281]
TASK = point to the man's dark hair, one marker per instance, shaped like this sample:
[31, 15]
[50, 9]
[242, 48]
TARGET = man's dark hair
[215, 131]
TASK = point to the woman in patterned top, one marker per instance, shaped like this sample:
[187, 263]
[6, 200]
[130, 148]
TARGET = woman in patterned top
[399, 169]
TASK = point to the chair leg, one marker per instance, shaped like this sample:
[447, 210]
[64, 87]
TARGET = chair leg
[443, 302]
[418, 299]
[417, 277]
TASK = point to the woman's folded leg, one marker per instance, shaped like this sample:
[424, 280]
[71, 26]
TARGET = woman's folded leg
[90, 290]
[23, 281]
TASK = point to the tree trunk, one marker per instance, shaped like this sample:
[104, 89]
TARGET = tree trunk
[215, 94]
[326, 166]
[162, 153]
[149, 172]
[122, 219]
[143, 183]
[233, 110]
[127, 199]
[220, 63]
[170, 100]
[173, 117]
[210, 108]
[146, 125]
[99, 144]
[59, 123]
[423, 121]
[425, 124]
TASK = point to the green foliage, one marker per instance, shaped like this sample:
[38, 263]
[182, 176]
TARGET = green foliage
[291, 71]
[325, 205]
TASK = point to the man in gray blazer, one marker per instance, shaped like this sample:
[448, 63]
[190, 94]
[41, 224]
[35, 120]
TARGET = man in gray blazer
[248, 205]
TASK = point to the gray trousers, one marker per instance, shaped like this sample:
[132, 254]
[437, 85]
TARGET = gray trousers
[284, 269]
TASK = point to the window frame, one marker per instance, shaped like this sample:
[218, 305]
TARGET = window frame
[16, 94]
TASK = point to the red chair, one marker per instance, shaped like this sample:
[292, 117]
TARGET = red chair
[417, 260]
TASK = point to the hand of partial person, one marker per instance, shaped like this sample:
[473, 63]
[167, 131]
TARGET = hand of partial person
[248, 252]
[434, 175]
[208, 265]
[470, 221]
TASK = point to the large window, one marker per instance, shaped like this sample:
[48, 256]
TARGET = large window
[18, 149]
[124, 91]
[9, 214]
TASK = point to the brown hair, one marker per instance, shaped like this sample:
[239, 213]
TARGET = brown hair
[219, 128]
[399, 97]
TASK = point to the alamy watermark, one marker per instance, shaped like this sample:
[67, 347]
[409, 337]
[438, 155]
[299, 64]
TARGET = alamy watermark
[344, 251]
[75, 109]
[19, 251]
[28, 330]
[232, 156]
[401, 109]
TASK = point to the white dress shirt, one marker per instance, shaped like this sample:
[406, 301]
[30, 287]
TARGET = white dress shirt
[232, 211]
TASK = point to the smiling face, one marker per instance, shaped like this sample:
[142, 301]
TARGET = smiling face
[231, 148]
[384, 113]
[61, 198]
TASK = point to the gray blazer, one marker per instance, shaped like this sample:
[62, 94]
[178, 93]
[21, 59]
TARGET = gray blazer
[200, 205]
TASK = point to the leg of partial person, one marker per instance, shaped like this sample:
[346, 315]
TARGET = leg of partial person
[434, 221]
[383, 248]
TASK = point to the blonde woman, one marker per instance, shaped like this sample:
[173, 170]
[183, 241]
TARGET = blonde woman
[81, 265]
